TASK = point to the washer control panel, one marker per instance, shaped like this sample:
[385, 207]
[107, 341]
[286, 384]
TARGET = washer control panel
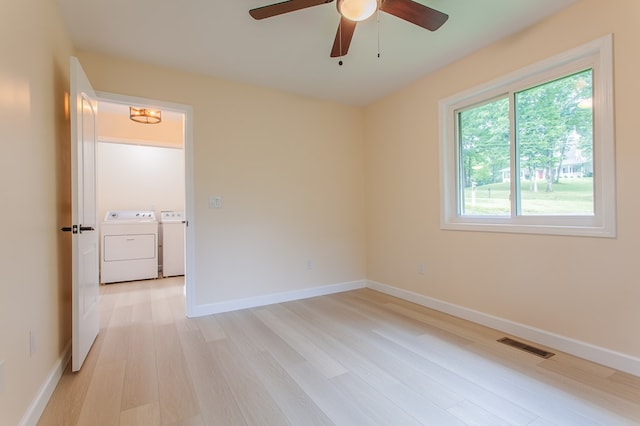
[171, 216]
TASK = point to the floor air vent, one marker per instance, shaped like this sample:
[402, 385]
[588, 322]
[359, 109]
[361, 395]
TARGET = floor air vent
[527, 348]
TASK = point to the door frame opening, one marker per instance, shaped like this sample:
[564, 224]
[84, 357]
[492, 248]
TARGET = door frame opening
[189, 206]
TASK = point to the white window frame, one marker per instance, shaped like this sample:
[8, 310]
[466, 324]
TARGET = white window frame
[597, 55]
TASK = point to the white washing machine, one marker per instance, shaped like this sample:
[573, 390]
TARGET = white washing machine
[129, 246]
[172, 243]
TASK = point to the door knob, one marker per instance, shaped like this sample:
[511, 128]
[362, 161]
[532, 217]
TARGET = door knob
[73, 229]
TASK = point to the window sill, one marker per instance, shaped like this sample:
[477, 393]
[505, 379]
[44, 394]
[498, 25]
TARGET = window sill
[498, 225]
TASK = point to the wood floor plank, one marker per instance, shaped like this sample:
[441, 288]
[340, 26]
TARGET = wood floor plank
[428, 325]
[141, 379]
[541, 422]
[294, 402]
[327, 395]
[378, 313]
[412, 387]
[482, 341]
[328, 337]
[497, 393]
[408, 407]
[595, 376]
[68, 398]
[102, 403]
[484, 346]
[472, 414]
[193, 421]
[143, 415]
[252, 334]
[302, 344]
[175, 391]
[442, 368]
[253, 345]
[626, 379]
[141, 304]
[255, 402]
[116, 336]
[210, 329]
[373, 402]
[598, 391]
[507, 382]
[174, 290]
[214, 395]
[354, 358]
[161, 306]
[307, 377]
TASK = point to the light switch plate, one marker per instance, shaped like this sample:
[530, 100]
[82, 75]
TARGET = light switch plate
[215, 202]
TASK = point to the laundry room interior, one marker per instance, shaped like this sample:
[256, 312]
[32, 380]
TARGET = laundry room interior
[140, 192]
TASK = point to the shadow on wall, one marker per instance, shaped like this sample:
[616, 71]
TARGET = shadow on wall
[62, 133]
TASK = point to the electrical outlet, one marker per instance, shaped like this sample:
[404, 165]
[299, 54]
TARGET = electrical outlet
[421, 268]
[309, 264]
[1, 377]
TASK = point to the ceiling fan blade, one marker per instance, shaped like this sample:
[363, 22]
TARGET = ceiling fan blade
[284, 7]
[415, 13]
[343, 37]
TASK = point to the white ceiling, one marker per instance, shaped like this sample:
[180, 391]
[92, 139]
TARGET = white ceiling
[291, 52]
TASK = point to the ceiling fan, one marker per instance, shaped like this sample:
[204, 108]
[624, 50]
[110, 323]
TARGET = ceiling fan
[354, 11]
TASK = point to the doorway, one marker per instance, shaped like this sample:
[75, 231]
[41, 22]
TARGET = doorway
[147, 166]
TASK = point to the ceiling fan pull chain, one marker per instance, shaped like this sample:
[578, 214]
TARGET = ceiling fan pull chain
[378, 20]
[340, 30]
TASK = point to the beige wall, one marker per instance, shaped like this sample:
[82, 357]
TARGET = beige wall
[118, 127]
[290, 171]
[581, 288]
[35, 190]
[135, 177]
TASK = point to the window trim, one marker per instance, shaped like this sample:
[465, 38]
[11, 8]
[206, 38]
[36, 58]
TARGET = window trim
[597, 54]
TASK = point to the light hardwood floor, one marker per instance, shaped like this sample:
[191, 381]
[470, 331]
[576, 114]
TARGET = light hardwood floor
[355, 358]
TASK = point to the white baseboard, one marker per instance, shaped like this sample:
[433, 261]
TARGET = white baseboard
[41, 400]
[269, 299]
[613, 359]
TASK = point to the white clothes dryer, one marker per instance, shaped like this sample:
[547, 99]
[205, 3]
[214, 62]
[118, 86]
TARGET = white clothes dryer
[129, 246]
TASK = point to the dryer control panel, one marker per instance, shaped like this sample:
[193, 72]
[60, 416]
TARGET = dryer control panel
[130, 215]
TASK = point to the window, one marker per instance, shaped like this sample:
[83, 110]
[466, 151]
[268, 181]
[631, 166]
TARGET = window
[533, 152]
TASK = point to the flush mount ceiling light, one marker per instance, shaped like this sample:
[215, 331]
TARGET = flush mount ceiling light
[357, 10]
[145, 115]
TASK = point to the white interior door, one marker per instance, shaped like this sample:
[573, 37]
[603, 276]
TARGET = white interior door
[85, 296]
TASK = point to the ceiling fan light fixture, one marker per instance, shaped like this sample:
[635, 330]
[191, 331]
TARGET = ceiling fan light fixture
[145, 115]
[357, 10]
